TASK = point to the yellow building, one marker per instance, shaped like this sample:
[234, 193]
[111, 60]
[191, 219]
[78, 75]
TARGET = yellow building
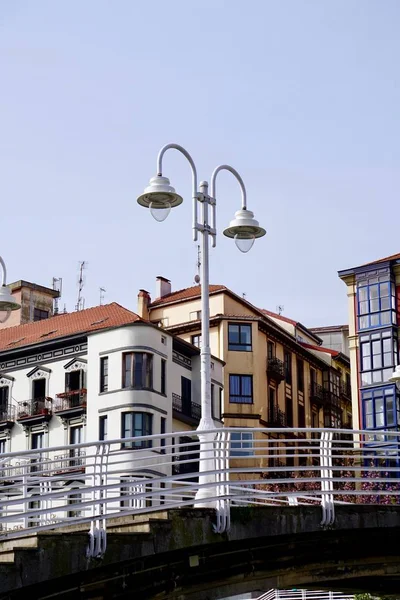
[271, 379]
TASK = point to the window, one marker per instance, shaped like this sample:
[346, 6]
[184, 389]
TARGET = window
[163, 430]
[381, 408]
[4, 395]
[76, 437]
[272, 408]
[301, 415]
[38, 389]
[270, 350]
[136, 425]
[196, 340]
[37, 440]
[300, 377]
[34, 521]
[75, 499]
[163, 376]
[103, 428]
[137, 370]
[2, 446]
[331, 381]
[288, 367]
[241, 389]
[39, 315]
[135, 489]
[242, 444]
[376, 304]
[289, 411]
[378, 357]
[195, 315]
[104, 374]
[239, 337]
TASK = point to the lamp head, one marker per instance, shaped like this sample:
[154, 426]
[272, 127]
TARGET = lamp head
[244, 228]
[7, 301]
[160, 197]
[395, 378]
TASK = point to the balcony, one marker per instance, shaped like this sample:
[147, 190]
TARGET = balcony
[71, 404]
[317, 393]
[185, 410]
[275, 369]
[7, 417]
[35, 411]
[276, 418]
[345, 391]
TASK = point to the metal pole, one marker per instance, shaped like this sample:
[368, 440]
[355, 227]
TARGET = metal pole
[207, 450]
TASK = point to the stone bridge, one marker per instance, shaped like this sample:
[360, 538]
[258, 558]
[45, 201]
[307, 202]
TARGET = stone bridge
[176, 554]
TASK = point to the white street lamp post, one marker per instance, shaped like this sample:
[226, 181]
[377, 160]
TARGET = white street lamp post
[160, 197]
[7, 301]
[395, 378]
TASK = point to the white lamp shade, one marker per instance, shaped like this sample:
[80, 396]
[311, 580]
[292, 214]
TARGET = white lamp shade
[395, 378]
[244, 226]
[160, 194]
[7, 301]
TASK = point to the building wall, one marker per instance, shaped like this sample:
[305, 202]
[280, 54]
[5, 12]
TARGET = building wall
[250, 363]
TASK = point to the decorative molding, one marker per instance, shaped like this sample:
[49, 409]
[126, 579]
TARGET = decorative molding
[6, 381]
[39, 372]
[37, 358]
[181, 360]
[133, 349]
[77, 364]
[133, 406]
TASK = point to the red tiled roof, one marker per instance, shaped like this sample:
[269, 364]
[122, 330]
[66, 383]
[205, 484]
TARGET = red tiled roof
[320, 349]
[84, 321]
[186, 294]
[380, 260]
[280, 317]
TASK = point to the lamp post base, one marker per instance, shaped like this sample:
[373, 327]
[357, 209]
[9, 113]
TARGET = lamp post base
[207, 492]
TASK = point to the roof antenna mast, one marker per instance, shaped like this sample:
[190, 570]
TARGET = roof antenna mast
[102, 292]
[80, 305]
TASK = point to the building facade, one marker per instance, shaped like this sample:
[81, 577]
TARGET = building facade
[270, 378]
[36, 301]
[373, 292]
[335, 337]
[98, 374]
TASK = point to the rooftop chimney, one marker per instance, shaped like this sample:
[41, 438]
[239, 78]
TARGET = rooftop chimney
[163, 287]
[143, 304]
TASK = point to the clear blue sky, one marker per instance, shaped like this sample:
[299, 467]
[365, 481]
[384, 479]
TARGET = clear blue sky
[302, 97]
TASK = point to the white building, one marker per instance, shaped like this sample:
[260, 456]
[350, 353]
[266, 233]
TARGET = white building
[99, 374]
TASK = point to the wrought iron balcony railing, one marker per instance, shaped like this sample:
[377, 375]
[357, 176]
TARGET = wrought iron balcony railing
[35, 408]
[276, 417]
[276, 369]
[70, 400]
[7, 413]
[186, 407]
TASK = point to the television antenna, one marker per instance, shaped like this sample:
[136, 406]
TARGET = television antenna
[102, 292]
[280, 308]
[80, 305]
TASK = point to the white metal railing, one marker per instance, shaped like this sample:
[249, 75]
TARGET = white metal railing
[304, 595]
[88, 484]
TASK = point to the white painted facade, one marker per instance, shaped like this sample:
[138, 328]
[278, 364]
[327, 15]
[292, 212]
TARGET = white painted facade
[50, 365]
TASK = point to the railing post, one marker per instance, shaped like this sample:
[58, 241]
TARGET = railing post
[222, 480]
[328, 507]
[98, 534]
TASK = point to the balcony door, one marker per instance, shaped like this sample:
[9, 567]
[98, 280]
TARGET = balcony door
[74, 381]
[186, 394]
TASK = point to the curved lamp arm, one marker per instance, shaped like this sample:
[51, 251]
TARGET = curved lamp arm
[4, 275]
[186, 154]
[239, 179]
[212, 193]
